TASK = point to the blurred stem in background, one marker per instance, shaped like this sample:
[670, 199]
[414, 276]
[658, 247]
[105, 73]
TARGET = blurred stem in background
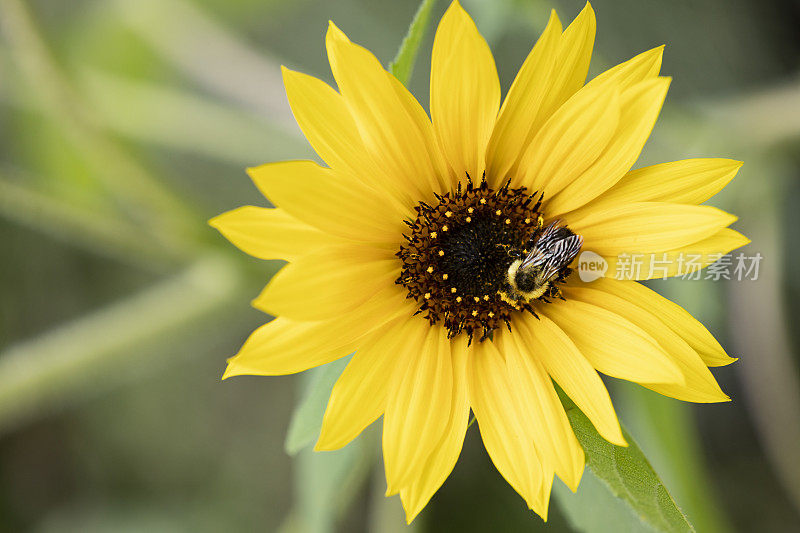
[758, 325]
[44, 373]
[144, 198]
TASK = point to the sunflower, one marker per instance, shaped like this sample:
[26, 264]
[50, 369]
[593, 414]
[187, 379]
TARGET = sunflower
[438, 251]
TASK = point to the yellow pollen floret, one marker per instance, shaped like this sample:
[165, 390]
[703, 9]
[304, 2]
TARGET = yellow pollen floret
[508, 221]
[448, 214]
[475, 312]
[445, 228]
[434, 235]
[469, 219]
[483, 200]
[527, 221]
[444, 276]
[477, 299]
[427, 296]
[430, 270]
[441, 253]
[491, 314]
[458, 299]
[486, 297]
[471, 210]
[498, 212]
[453, 290]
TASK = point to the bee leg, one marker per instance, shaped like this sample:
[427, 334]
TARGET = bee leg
[554, 292]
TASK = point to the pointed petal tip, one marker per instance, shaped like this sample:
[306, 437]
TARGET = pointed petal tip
[553, 19]
[664, 82]
[229, 372]
[335, 33]
[618, 440]
[319, 446]
[411, 513]
[541, 508]
[572, 484]
[327, 443]
[288, 74]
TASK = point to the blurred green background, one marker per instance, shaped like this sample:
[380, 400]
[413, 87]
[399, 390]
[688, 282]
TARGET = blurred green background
[126, 124]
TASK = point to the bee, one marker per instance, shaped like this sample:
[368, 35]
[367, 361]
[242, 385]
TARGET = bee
[530, 277]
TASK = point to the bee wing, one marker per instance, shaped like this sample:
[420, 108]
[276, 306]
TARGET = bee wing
[540, 252]
[559, 253]
[549, 235]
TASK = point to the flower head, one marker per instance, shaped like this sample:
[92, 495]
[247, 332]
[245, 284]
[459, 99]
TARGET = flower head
[440, 250]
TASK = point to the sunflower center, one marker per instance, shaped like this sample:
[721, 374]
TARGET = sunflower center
[462, 256]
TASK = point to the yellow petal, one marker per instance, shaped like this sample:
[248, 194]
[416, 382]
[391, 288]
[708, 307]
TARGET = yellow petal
[465, 92]
[691, 181]
[612, 344]
[640, 106]
[322, 198]
[269, 233]
[508, 434]
[325, 120]
[444, 456]
[567, 366]
[286, 346]
[672, 315]
[686, 260]
[700, 385]
[521, 115]
[648, 227]
[572, 64]
[537, 399]
[571, 140]
[418, 408]
[639, 68]
[359, 396]
[393, 126]
[328, 281]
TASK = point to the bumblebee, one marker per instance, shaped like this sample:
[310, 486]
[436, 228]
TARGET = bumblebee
[530, 277]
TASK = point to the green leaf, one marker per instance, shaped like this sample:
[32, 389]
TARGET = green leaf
[667, 432]
[626, 474]
[326, 483]
[307, 417]
[594, 508]
[403, 63]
